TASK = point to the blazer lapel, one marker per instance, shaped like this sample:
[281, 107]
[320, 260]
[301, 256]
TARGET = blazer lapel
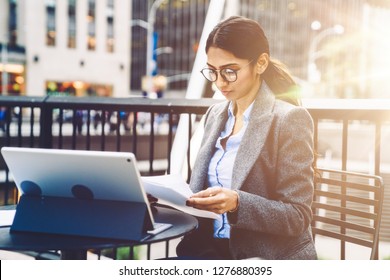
[215, 124]
[255, 136]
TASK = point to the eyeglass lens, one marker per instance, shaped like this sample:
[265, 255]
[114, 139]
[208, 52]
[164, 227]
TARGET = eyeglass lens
[229, 75]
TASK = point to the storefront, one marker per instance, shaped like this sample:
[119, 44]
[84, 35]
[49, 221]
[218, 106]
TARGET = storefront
[12, 81]
[77, 88]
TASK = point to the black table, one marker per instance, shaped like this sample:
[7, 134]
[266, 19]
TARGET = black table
[74, 247]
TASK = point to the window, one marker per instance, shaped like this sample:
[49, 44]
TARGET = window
[72, 24]
[12, 23]
[50, 22]
[110, 25]
[91, 19]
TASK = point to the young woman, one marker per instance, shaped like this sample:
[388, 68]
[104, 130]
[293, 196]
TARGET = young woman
[254, 166]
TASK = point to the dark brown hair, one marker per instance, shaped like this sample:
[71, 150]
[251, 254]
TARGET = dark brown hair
[245, 39]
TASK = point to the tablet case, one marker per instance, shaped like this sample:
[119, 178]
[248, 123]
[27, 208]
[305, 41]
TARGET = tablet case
[82, 217]
[83, 193]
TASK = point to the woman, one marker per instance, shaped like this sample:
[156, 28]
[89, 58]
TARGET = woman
[254, 166]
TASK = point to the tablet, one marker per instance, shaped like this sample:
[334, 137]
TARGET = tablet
[100, 175]
[73, 173]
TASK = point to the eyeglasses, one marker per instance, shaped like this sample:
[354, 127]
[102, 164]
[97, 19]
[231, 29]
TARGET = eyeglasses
[229, 75]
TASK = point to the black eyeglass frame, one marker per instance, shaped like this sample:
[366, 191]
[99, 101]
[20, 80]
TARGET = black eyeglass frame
[222, 73]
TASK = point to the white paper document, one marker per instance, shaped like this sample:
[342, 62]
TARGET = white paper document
[173, 191]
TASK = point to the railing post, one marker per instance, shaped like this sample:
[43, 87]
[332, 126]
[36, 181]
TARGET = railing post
[377, 148]
[46, 123]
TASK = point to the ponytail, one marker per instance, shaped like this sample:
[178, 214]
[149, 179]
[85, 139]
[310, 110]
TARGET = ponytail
[281, 82]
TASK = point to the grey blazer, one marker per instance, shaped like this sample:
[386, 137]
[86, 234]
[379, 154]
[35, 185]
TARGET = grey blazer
[273, 175]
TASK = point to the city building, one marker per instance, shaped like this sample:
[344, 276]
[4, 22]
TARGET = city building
[178, 28]
[337, 47]
[65, 47]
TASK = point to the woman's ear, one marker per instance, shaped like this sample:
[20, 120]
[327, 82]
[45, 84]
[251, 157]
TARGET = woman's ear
[262, 63]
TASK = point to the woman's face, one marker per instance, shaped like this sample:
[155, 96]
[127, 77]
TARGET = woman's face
[248, 81]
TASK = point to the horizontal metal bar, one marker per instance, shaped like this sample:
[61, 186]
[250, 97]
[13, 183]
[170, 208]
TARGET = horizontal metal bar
[350, 185]
[344, 210]
[343, 224]
[342, 197]
[342, 237]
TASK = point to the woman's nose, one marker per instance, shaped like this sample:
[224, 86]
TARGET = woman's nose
[220, 81]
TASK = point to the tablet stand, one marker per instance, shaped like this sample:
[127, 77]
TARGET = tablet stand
[82, 217]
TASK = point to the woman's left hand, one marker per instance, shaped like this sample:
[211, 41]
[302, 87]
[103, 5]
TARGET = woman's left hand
[216, 199]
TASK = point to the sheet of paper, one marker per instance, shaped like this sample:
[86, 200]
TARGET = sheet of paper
[171, 188]
[192, 211]
[173, 191]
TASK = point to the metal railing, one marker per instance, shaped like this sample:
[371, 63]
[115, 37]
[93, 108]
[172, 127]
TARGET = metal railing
[346, 113]
[147, 128]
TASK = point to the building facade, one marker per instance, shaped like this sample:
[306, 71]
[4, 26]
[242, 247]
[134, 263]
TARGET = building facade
[178, 28]
[68, 47]
[337, 47]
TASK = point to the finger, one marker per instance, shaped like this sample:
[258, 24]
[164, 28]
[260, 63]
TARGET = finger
[208, 192]
[206, 203]
[193, 201]
[201, 194]
[151, 198]
[213, 208]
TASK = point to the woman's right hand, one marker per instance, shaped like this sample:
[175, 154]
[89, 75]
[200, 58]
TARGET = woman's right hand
[216, 199]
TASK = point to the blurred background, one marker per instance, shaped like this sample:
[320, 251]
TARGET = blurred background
[335, 49]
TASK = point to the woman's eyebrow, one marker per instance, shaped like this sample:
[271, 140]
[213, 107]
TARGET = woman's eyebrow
[223, 66]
